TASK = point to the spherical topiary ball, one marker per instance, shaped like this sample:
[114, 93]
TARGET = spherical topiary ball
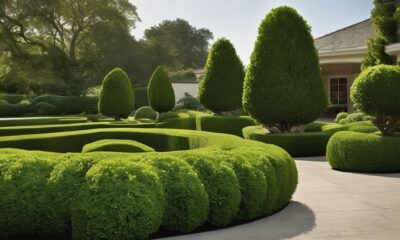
[377, 91]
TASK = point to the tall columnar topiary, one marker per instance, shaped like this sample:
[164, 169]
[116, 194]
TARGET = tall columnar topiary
[376, 92]
[283, 86]
[116, 98]
[385, 17]
[222, 86]
[160, 92]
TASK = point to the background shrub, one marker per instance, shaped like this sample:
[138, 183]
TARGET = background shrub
[69, 104]
[223, 71]
[145, 112]
[160, 92]
[46, 109]
[340, 116]
[189, 102]
[224, 124]
[116, 145]
[116, 97]
[354, 117]
[283, 85]
[376, 93]
[141, 98]
[12, 110]
[364, 152]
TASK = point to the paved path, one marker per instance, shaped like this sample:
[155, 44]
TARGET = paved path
[327, 205]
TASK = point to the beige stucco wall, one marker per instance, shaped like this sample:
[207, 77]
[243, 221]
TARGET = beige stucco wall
[181, 88]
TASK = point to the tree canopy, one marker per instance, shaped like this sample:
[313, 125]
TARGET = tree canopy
[179, 44]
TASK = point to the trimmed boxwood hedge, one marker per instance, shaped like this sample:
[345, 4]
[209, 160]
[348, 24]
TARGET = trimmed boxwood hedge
[116, 145]
[222, 179]
[296, 144]
[54, 128]
[40, 121]
[364, 152]
[224, 124]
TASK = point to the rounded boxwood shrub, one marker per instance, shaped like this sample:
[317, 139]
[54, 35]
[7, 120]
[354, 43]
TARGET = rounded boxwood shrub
[116, 98]
[221, 185]
[364, 152]
[340, 116]
[223, 71]
[122, 200]
[284, 85]
[160, 92]
[116, 145]
[376, 93]
[187, 200]
[145, 112]
[46, 109]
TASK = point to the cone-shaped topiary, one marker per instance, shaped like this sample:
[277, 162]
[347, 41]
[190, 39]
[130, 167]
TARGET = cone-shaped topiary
[222, 86]
[160, 92]
[283, 85]
[116, 98]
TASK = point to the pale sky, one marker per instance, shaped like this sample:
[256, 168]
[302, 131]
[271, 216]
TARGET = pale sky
[238, 20]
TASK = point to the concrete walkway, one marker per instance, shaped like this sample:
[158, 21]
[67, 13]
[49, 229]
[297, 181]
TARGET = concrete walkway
[327, 205]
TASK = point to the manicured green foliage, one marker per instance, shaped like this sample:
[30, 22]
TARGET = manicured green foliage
[160, 92]
[40, 121]
[14, 98]
[189, 102]
[361, 152]
[130, 196]
[340, 116]
[296, 144]
[376, 93]
[354, 117]
[283, 85]
[178, 123]
[46, 109]
[141, 98]
[12, 110]
[54, 128]
[187, 200]
[221, 185]
[116, 145]
[324, 127]
[224, 124]
[145, 112]
[224, 71]
[117, 98]
[122, 200]
[69, 104]
[362, 127]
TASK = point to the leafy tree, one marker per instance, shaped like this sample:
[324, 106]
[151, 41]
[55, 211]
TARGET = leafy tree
[178, 44]
[222, 86]
[160, 92]
[385, 18]
[116, 98]
[57, 35]
[283, 86]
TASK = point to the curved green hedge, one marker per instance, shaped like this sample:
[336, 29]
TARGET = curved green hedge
[296, 144]
[116, 145]
[40, 121]
[55, 128]
[219, 180]
[224, 124]
[363, 152]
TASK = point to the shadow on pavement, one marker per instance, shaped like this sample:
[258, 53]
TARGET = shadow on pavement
[295, 219]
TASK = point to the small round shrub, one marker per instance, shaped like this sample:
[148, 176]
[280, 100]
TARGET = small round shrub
[340, 116]
[116, 98]
[122, 200]
[376, 93]
[116, 145]
[160, 92]
[145, 112]
[187, 200]
[364, 152]
[224, 71]
[284, 85]
[46, 109]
